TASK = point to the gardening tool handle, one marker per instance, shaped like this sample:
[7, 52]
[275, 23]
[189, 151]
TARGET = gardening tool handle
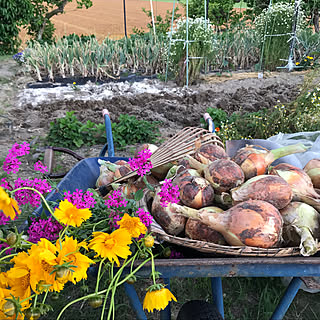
[209, 121]
[107, 123]
[49, 160]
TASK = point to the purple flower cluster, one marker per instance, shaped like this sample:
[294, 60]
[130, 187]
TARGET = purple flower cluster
[4, 245]
[145, 217]
[11, 162]
[48, 229]
[114, 218]
[39, 166]
[168, 193]
[80, 199]
[141, 163]
[4, 219]
[29, 196]
[116, 200]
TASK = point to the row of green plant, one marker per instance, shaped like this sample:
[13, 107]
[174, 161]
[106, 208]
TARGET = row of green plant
[69, 132]
[241, 47]
[144, 54]
[301, 115]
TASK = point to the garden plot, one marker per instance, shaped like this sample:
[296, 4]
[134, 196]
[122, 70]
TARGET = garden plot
[175, 107]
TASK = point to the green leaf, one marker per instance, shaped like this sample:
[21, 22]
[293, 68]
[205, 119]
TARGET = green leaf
[138, 195]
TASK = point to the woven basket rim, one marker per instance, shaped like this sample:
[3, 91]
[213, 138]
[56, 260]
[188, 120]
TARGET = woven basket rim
[208, 247]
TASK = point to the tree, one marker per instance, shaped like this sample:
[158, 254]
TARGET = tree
[13, 13]
[219, 11]
[312, 8]
[40, 27]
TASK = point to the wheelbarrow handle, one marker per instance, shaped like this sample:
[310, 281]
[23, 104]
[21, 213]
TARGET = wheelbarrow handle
[209, 121]
[49, 160]
[107, 123]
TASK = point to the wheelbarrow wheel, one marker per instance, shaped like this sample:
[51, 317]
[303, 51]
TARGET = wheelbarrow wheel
[200, 310]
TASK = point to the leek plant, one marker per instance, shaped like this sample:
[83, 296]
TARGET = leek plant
[65, 58]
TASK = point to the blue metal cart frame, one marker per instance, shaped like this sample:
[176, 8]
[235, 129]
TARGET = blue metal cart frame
[214, 268]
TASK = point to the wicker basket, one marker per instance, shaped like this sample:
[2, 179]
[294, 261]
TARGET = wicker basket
[212, 248]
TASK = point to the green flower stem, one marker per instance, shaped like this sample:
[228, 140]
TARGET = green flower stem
[99, 272]
[152, 267]
[112, 307]
[5, 249]
[41, 196]
[45, 296]
[35, 300]
[27, 298]
[8, 256]
[103, 291]
[95, 224]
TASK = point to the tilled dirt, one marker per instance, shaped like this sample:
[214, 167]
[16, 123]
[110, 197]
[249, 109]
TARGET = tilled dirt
[27, 113]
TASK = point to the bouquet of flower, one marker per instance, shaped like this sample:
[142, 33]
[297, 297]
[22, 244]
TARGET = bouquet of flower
[71, 235]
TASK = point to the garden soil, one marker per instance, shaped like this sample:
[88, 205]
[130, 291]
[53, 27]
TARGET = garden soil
[25, 113]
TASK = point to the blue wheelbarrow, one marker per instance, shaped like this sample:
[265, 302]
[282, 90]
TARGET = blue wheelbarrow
[84, 175]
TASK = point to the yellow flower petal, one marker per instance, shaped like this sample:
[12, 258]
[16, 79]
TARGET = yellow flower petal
[8, 205]
[133, 225]
[70, 215]
[158, 299]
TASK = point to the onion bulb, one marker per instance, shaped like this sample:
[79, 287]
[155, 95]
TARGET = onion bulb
[255, 161]
[106, 176]
[312, 168]
[145, 146]
[272, 189]
[197, 230]
[298, 180]
[301, 227]
[210, 152]
[172, 222]
[253, 223]
[195, 192]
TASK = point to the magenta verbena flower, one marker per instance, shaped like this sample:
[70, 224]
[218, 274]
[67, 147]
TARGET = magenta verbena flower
[80, 199]
[4, 245]
[145, 217]
[114, 218]
[5, 184]
[19, 150]
[176, 254]
[168, 193]
[141, 163]
[39, 166]
[48, 229]
[11, 163]
[115, 199]
[29, 196]
[4, 219]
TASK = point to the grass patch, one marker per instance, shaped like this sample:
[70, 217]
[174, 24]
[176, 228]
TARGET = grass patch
[5, 57]
[241, 5]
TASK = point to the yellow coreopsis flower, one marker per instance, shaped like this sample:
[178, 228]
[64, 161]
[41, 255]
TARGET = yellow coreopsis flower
[112, 245]
[8, 205]
[70, 215]
[157, 299]
[133, 225]
[19, 276]
[41, 261]
[70, 253]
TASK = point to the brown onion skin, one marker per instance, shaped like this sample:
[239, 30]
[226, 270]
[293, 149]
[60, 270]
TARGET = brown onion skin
[121, 162]
[210, 152]
[313, 165]
[224, 174]
[269, 188]
[171, 222]
[185, 173]
[249, 222]
[197, 230]
[297, 180]
[145, 146]
[140, 184]
[122, 171]
[185, 163]
[195, 192]
[105, 178]
[252, 164]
